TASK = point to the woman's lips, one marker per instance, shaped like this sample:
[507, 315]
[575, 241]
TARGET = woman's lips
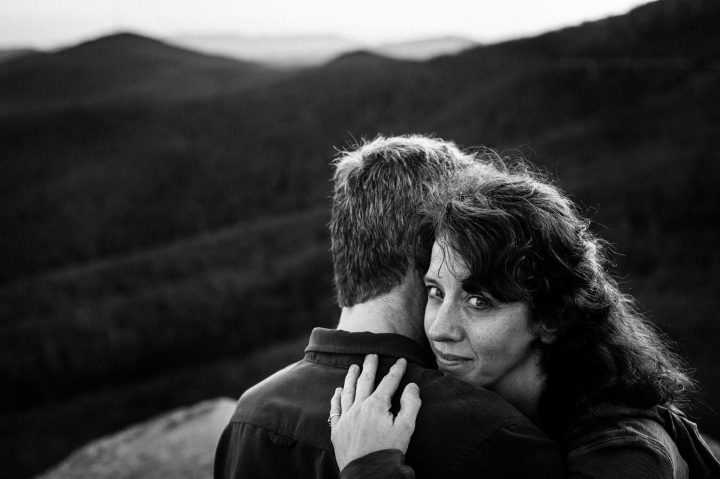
[450, 361]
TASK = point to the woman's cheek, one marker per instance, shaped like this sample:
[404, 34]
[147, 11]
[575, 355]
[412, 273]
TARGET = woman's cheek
[430, 312]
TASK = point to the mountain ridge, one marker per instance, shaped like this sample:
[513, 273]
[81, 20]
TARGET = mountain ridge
[120, 67]
[297, 51]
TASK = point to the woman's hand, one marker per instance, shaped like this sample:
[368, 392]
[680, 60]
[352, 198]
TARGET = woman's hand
[361, 420]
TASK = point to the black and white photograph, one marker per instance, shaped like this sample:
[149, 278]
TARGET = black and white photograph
[391, 239]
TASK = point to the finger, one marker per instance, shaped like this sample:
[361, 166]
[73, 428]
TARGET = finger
[335, 408]
[410, 403]
[366, 382]
[348, 390]
[389, 384]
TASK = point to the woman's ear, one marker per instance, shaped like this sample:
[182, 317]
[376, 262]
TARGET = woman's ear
[548, 335]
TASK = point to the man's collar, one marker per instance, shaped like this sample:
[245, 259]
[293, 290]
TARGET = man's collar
[384, 344]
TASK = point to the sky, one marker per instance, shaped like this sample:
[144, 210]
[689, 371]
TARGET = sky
[48, 24]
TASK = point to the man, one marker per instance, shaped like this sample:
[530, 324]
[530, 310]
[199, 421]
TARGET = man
[279, 428]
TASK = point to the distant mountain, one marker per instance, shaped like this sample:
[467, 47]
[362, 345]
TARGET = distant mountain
[304, 51]
[6, 55]
[581, 80]
[120, 67]
[282, 51]
[425, 49]
[664, 29]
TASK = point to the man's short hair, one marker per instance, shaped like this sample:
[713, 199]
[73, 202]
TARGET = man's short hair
[379, 187]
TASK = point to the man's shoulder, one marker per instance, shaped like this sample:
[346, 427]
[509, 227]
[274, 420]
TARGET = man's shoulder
[294, 400]
[451, 396]
[273, 392]
[271, 384]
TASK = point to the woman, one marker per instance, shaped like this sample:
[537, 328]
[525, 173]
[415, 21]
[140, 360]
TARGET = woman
[520, 302]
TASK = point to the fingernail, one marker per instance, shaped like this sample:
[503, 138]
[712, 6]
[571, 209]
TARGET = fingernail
[353, 368]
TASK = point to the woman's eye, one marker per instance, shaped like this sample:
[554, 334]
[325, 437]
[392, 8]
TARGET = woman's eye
[433, 292]
[478, 302]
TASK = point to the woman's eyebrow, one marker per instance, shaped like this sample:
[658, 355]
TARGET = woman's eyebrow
[429, 278]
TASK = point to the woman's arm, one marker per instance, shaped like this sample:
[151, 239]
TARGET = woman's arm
[362, 423]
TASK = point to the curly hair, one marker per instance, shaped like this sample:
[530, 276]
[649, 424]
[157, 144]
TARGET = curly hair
[524, 240]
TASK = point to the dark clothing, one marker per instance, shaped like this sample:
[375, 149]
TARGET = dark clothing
[619, 441]
[609, 441]
[280, 426]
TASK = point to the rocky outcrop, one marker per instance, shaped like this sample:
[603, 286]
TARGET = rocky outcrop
[180, 444]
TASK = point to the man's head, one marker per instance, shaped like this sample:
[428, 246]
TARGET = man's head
[379, 187]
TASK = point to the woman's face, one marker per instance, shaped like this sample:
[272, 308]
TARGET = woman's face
[475, 337]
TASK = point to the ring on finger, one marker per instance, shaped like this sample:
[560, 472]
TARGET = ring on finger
[329, 420]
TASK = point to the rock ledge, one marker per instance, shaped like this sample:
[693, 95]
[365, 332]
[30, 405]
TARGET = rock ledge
[180, 444]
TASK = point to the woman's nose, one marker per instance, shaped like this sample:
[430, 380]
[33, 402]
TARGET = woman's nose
[445, 326]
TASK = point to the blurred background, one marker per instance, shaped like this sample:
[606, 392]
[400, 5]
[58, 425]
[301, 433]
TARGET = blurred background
[165, 178]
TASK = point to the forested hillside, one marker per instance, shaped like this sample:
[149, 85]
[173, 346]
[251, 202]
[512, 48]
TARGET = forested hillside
[161, 209]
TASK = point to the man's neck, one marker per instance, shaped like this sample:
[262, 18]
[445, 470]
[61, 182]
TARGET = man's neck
[400, 311]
